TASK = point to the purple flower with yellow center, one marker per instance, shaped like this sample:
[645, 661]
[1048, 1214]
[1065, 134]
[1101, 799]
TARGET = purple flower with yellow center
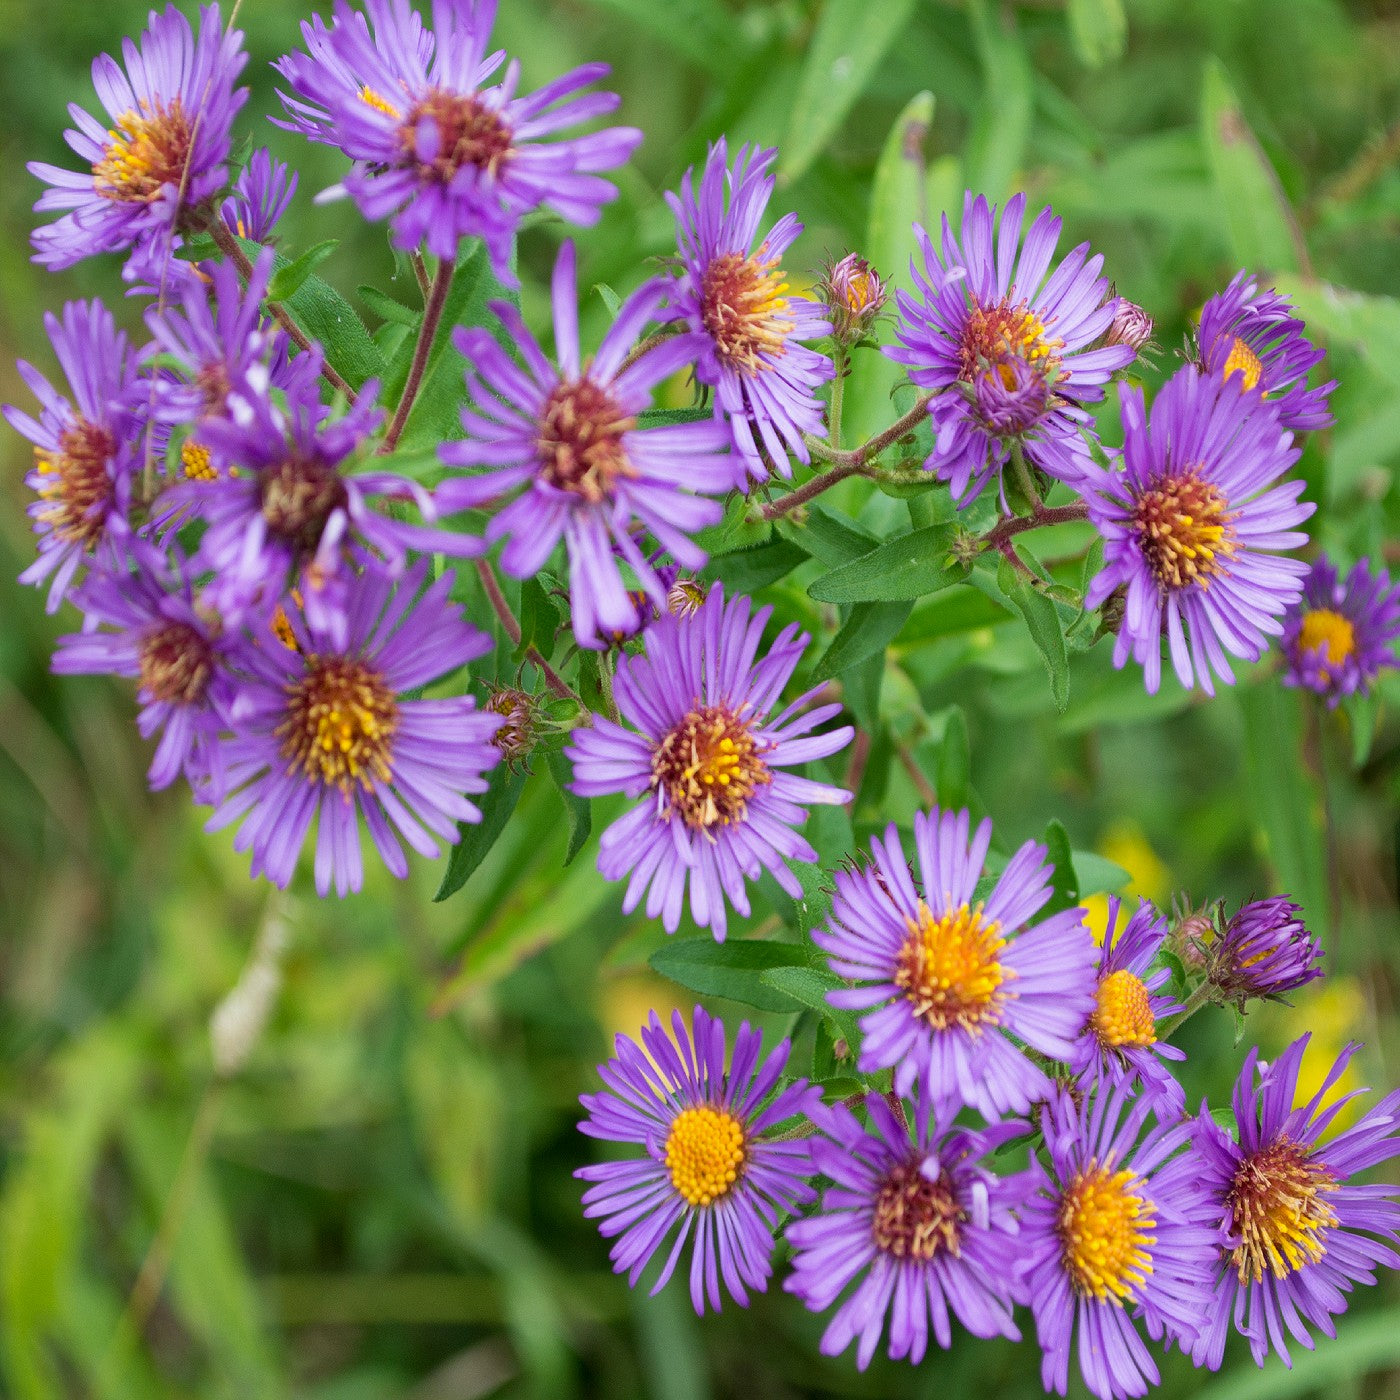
[87, 449]
[1254, 340]
[709, 1164]
[708, 757]
[947, 977]
[915, 1217]
[1266, 950]
[1118, 1045]
[329, 731]
[171, 114]
[1120, 1233]
[145, 621]
[1300, 1232]
[1191, 525]
[436, 150]
[1341, 634]
[1010, 353]
[261, 195]
[591, 474]
[732, 291]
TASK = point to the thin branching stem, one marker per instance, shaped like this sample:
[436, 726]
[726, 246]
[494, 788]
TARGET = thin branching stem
[427, 333]
[497, 599]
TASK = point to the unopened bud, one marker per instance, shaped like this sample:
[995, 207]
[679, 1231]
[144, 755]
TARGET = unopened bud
[1131, 326]
[519, 724]
[854, 295]
[1193, 934]
[685, 597]
[1265, 951]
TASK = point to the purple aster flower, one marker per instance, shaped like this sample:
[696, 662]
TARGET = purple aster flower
[87, 450]
[1026, 346]
[183, 659]
[708, 758]
[441, 154]
[733, 291]
[1190, 526]
[948, 978]
[1341, 634]
[1300, 1233]
[708, 1166]
[1266, 950]
[1119, 1045]
[328, 731]
[569, 436]
[1256, 336]
[261, 194]
[1120, 1233]
[923, 1226]
[170, 115]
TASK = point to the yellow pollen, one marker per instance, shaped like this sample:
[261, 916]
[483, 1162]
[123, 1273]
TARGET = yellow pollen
[1123, 1016]
[282, 628]
[1243, 361]
[372, 99]
[948, 968]
[708, 767]
[148, 151]
[1185, 530]
[704, 1154]
[1277, 1208]
[744, 307]
[339, 724]
[1105, 1229]
[1323, 628]
[996, 334]
[859, 292]
[196, 463]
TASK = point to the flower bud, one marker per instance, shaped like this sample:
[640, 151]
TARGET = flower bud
[1194, 933]
[685, 597]
[1131, 326]
[1265, 951]
[854, 295]
[520, 711]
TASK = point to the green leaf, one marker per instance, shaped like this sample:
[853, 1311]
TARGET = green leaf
[1099, 29]
[1363, 712]
[1370, 325]
[827, 535]
[610, 298]
[287, 280]
[476, 838]
[732, 969]
[387, 309]
[1263, 233]
[953, 778]
[579, 809]
[905, 567]
[697, 30]
[1064, 883]
[1046, 628]
[869, 630]
[748, 570]
[809, 985]
[845, 50]
[661, 417]
[996, 147]
[1097, 874]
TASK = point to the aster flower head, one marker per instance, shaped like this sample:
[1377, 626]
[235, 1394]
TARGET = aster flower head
[161, 152]
[1120, 1233]
[1343, 632]
[567, 439]
[1251, 338]
[87, 449]
[854, 295]
[1300, 1232]
[709, 759]
[1026, 344]
[947, 977]
[437, 150]
[709, 1163]
[261, 195]
[1119, 1045]
[1266, 950]
[328, 731]
[1191, 526]
[915, 1220]
[731, 290]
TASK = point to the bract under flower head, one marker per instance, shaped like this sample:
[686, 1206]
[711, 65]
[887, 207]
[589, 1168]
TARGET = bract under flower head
[1341, 634]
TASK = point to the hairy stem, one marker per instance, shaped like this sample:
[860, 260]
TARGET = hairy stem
[427, 333]
[838, 393]
[872, 447]
[641, 348]
[812, 489]
[497, 599]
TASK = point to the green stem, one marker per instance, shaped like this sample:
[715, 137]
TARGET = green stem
[605, 684]
[1024, 478]
[427, 333]
[838, 392]
[1198, 998]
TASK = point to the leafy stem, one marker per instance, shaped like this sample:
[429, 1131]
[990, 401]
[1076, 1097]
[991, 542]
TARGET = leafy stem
[427, 333]
[1193, 1003]
[497, 599]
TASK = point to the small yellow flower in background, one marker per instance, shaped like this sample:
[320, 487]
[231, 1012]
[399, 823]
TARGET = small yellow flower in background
[1124, 844]
[1335, 1010]
[627, 1001]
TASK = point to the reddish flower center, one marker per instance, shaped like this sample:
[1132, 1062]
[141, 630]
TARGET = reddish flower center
[916, 1218]
[77, 484]
[176, 663]
[949, 970]
[581, 443]
[213, 384]
[298, 495]
[708, 767]
[994, 335]
[339, 724]
[447, 131]
[1277, 1207]
[148, 151]
[1184, 530]
[744, 307]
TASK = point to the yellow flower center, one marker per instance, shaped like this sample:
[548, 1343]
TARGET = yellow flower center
[196, 462]
[176, 664]
[1278, 1209]
[147, 152]
[1323, 628]
[948, 968]
[744, 307]
[995, 334]
[1123, 1016]
[704, 1154]
[1105, 1228]
[708, 767]
[1184, 530]
[916, 1218]
[339, 724]
[581, 442]
[1243, 361]
[77, 485]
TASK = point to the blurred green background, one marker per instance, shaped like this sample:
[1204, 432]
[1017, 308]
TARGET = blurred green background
[379, 1203]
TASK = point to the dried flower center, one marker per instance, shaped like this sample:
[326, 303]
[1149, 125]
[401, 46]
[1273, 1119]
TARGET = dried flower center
[516, 736]
[1105, 1227]
[298, 496]
[1243, 361]
[1278, 1209]
[704, 1153]
[1123, 1016]
[708, 767]
[339, 724]
[582, 443]
[1323, 628]
[176, 663]
[77, 484]
[446, 132]
[948, 968]
[148, 151]
[1184, 530]
[213, 384]
[744, 307]
[916, 1218]
[197, 462]
[995, 334]
[685, 597]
